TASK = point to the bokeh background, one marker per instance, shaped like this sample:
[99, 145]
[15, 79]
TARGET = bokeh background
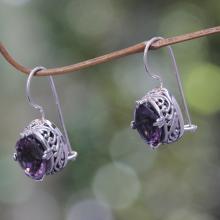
[116, 176]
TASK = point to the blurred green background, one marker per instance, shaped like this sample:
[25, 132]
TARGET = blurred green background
[116, 176]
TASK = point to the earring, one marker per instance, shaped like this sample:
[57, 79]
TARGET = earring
[42, 149]
[157, 116]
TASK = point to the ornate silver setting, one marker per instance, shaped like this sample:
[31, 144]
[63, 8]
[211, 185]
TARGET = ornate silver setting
[56, 151]
[170, 118]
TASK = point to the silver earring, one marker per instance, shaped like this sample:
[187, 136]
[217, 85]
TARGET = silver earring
[42, 149]
[157, 116]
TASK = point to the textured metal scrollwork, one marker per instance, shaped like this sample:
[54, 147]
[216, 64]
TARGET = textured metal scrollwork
[170, 116]
[56, 149]
[158, 118]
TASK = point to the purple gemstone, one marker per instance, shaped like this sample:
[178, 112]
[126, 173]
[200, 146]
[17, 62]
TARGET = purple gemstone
[145, 117]
[29, 153]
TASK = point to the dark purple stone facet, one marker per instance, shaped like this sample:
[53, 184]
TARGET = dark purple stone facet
[145, 117]
[29, 153]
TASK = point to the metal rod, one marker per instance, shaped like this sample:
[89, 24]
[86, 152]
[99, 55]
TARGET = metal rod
[137, 48]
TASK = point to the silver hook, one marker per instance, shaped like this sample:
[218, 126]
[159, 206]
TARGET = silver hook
[28, 93]
[147, 47]
[189, 126]
[72, 154]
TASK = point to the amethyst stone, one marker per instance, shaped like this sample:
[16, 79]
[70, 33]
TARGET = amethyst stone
[144, 118]
[29, 153]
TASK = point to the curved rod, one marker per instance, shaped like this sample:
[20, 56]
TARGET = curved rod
[28, 91]
[146, 66]
[108, 57]
[72, 154]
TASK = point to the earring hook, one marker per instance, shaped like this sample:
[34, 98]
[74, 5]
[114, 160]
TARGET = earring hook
[72, 154]
[28, 93]
[146, 65]
[189, 126]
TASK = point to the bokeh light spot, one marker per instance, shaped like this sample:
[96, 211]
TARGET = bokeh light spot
[128, 148]
[117, 185]
[202, 88]
[90, 209]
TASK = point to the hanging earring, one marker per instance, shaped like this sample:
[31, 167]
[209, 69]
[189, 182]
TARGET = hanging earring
[42, 149]
[157, 116]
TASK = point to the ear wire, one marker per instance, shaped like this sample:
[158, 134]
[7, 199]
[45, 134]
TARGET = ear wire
[189, 126]
[72, 154]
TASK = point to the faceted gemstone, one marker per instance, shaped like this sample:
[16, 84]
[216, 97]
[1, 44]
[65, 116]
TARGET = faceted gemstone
[145, 117]
[29, 153]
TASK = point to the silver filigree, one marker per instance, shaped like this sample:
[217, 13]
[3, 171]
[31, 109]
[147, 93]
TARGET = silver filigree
[170, 116]
[56, 150]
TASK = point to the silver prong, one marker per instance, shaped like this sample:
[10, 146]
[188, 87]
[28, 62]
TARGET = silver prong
[22, 135]
[72, 155]
[47, 154]
[133, 125]
[159, 122]
[15, 157]
[155, 147]
[137, 103]
[190, 127]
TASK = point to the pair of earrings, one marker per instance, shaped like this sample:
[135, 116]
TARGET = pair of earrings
[43, 150]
